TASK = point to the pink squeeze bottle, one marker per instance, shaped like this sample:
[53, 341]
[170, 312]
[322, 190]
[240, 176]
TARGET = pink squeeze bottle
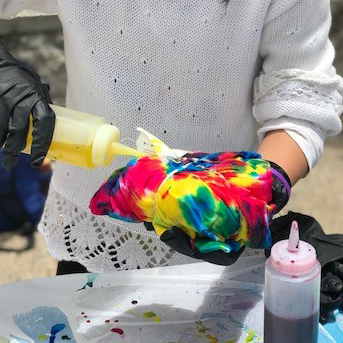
[292, 292]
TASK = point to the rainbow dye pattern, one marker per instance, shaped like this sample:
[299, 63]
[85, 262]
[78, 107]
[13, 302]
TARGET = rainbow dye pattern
[221, 200]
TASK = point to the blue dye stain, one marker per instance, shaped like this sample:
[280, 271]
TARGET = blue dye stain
[198, 211]
[222, 327]
[90, 281]
[234, 245]
[240, 325]
[172, 165]
[44, 320]
[250, 155]
[132, 162]
[55, 330]
[124, 219]
[214, 315]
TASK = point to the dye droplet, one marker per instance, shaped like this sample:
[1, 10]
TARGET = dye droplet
[251, 336]
[118, 331]
[149, 314]
[82, 313]
[116, 321]
[292, 261]
[212, 338]
[134, 302]
[88, 321]
[107, 321]
[201, 327]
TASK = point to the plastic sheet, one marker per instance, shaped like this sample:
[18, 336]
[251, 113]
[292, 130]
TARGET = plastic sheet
[188, 304]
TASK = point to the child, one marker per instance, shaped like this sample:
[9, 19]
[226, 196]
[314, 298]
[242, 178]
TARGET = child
[22, 196]
[199, 74]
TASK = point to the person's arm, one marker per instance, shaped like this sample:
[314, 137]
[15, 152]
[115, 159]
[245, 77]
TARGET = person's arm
[278, 147]
[297, 96]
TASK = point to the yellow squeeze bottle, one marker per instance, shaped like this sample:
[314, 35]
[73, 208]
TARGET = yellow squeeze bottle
[83, 140]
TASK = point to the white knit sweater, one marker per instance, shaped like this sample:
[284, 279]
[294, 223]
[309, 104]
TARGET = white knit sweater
[199, 74]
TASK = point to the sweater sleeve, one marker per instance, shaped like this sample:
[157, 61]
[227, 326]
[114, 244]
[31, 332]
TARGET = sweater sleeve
[9, 8]
[298, 89]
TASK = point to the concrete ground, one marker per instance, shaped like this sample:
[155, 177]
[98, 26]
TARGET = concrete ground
[319, 195]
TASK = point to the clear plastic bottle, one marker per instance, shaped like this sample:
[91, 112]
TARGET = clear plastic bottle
[83, 140]
[292, 292]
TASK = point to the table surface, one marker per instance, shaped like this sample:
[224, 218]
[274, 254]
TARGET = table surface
[190, 303]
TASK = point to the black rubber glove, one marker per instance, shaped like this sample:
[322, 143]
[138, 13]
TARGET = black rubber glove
[281, 187]
[182, 243]
[329, 253]
[22, 94]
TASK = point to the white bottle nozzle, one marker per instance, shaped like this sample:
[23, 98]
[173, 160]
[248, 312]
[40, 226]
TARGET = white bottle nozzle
[121, 149]
[293, 241]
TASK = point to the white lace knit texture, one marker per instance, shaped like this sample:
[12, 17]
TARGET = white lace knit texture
[183, 70]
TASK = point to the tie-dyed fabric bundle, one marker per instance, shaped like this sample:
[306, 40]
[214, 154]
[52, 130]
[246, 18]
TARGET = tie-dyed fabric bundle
[221, 200]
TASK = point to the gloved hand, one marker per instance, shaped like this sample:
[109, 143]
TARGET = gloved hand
[182, 243]
[329, 253]
[281, 189]
[179, 241]
[22, 94]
